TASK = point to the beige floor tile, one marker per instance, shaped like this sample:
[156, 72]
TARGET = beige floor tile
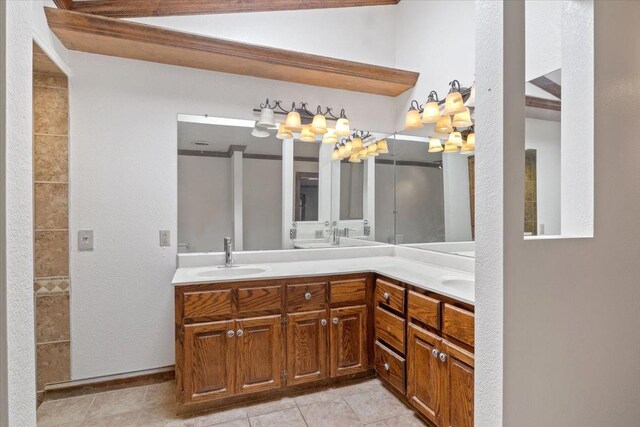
[162, 415]
[271, 406]
[237, 423]
[63, 412]
[317, 396]
[373, 384]
[407, 420]
[215, 418]
[117, 402]
[376, 405]
[160, 394]
[335, 413]
[126, 419]
[289, 418]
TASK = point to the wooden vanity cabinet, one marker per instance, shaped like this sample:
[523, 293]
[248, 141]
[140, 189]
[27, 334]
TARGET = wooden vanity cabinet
[307, 341]
[348, 340]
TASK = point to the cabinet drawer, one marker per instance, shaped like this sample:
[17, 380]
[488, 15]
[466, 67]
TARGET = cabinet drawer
[390, 366]
[424, 309]
[390, 328]
[458, 323]
[207, 303]
[306, 296]
[262, 299]
[390, 295]
[347, 291]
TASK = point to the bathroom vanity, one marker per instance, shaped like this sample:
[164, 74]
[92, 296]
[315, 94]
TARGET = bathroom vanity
[265, 337]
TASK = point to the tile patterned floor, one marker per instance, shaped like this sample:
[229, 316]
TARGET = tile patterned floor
[366, 403]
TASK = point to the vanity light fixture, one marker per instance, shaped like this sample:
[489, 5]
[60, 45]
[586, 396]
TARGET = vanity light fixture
[319, 124]
[462, 120]
[444, 125]
[307, 135]
[455, 138]
[342, 125]
[454, 104]
[372, 150]
[293, 122]
[470, 145]
[357, 143]
[267, 119]
[435, 145]
[330, 137]
[383, 148]
[259, 132]
[412, 119]
[431, 108]
[283, 132]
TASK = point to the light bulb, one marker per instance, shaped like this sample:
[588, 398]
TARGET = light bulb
[412, 119]
[293, 122]
[319, 124]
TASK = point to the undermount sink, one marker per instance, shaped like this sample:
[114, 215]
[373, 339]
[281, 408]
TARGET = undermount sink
[459, 283]
[223, 272]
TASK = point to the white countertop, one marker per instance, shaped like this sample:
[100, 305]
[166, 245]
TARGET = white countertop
[423, 275]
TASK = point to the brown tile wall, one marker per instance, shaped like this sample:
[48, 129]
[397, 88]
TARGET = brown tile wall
[51, 220]
[530, 193]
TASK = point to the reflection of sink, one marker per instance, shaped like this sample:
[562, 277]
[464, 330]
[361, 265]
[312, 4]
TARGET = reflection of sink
[224, 272]
[462, 284]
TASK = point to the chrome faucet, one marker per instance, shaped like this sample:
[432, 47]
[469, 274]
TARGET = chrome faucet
[228, 252]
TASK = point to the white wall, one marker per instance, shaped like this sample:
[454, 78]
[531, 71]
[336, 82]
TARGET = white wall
[17, 348]
[544, 137]
[384, 203]
[124, 186]
[205, 211]
[262, 204]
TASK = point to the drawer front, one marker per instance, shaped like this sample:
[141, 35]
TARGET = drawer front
[458, 323]
[390, 295]
[207, 303]
[424, 309]
[263, 299]
[348, 291]
[390, 328]
[390, 366]
[306, 296]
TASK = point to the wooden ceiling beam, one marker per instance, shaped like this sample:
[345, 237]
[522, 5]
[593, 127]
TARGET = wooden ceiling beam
[143, 8]
[547, 85]
[64, 4]
[125, 39]
[546, 104]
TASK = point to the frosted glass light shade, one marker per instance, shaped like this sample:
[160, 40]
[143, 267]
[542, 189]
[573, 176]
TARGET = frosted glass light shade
[293, 122]
[349, 146]
[435, 145]
[342, 127]
[455, 138]
[471, 139]
[412, 120]
[431, 113]
[354, 159]
[306, 135]
[363, 153]
[284, 133]
[343, 151]
[453, 104]
[467, 148]
[330, 137]
[356, 143]
[319, 124]
[267, 120]
[444, 125]
[383, 148]
[259, 132]
[335, 154]
[462, 120]
[372, 150]
[450, 147]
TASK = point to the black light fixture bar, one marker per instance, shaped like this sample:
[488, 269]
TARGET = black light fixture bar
[302, 109]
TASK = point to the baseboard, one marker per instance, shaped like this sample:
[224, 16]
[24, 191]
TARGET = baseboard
[108, 382]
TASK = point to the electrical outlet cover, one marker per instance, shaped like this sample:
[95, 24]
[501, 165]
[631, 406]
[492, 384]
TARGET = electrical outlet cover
[85, 240]
[165, 238]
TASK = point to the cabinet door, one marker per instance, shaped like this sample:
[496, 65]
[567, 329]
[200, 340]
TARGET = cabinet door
[306, 346]
[425, 379]
[259, 354]
[348, 341]
[209, 361]
[459, 386]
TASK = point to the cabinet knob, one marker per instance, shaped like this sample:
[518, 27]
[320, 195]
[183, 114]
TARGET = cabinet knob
[443, 357]
[435, 352]
[239, 333]
[323, 322]
[307, 296]
[386, 366]
[386, 296]
[230, 334]
[335, 320]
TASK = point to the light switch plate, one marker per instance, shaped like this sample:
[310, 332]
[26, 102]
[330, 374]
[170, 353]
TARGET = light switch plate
[85, 240]
[165, 238]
